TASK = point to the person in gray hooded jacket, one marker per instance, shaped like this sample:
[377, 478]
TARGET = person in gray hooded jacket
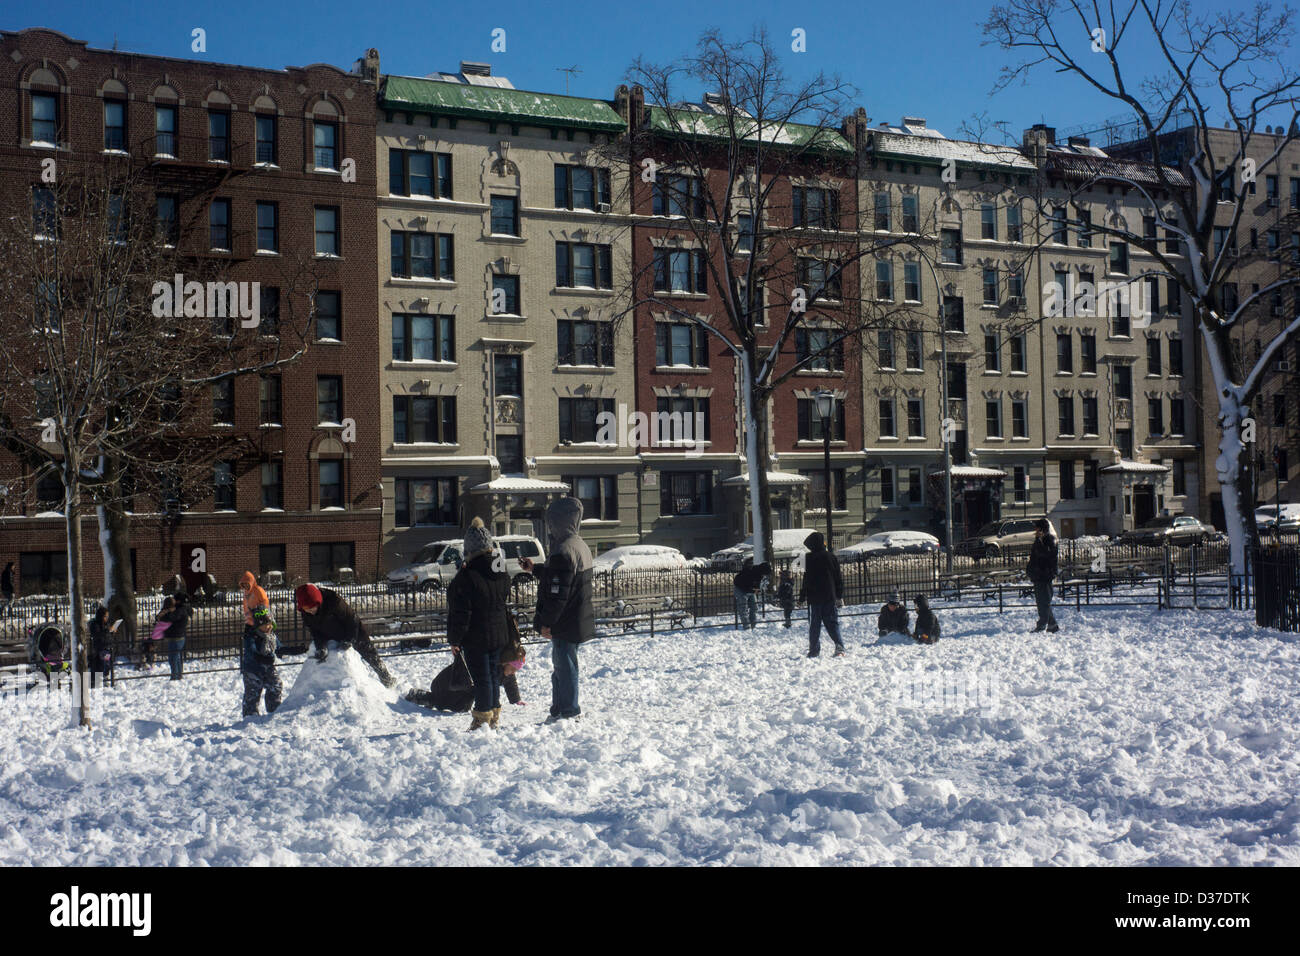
[564, 609]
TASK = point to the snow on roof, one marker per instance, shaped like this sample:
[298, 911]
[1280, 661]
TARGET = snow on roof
[933, 145]
[1074, 163]
[513, 486]
[773, 478]
[973, 471]
[1134, 467]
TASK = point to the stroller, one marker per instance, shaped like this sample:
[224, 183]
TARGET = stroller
[49, 650]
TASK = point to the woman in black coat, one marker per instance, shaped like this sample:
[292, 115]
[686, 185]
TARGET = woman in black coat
[179, 617]
[476, 621]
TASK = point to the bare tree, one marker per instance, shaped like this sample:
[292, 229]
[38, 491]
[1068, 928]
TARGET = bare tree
[1235, 64]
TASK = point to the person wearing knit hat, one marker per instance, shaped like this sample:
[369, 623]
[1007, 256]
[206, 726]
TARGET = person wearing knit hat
[478, 540]
[477, 623]
[259, 673]
[327, 617]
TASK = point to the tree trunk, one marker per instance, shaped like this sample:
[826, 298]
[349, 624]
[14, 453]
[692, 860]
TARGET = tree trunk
[115, 546]
[76, 612]
[1230, 465]
[755, 436]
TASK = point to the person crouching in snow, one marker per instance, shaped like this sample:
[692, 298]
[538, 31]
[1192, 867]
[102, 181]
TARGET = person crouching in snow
[258, 664]
[328, 617]
[893, 616]
[785, 595]
[476, 621]
[747, 581]
[927, 625]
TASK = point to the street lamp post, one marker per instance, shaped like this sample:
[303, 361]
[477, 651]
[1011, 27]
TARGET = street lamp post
[826, 411]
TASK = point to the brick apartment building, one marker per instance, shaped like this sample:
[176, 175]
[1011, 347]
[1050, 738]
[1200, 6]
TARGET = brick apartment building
[268, 172]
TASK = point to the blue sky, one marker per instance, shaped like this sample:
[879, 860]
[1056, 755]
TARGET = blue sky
[905, 58]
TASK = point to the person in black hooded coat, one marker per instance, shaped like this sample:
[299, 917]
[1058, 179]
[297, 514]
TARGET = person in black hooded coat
[927, 625]
[476, 621]
[823, 589]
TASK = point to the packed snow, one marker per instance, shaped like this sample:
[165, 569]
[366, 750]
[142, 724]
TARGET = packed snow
[1131, 737]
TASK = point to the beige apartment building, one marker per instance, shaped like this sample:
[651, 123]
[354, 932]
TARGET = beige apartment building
[500, 251]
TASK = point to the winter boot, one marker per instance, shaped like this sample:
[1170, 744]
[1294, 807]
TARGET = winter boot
[1038, 627]
[496, 717]
[482, 718]
[1052, 628]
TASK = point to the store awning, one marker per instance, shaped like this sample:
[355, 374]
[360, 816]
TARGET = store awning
[1126, 467]
[972, 471]
[773, 478]
[506, 485]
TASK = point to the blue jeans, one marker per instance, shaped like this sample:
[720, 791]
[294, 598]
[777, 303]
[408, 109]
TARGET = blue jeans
[176, 658]
[818, 614]
[746, 608]
[564, 679]
[485, 668]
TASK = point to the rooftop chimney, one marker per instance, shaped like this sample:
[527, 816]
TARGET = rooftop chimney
[475, 69]
[917, 121]
[1079, 141]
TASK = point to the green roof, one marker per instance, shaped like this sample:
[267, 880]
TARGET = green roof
[496, 104]
[685, 122]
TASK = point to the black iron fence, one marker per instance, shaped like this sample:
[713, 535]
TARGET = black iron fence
[1277, 587]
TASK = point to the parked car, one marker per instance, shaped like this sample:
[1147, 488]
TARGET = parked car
[786, 544]
[1169, 529]
[1009, 535]
[890, 542]
[1267, 520]
[438, 561]
[640, 557]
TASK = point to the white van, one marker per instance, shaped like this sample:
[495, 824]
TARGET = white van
[438, 561]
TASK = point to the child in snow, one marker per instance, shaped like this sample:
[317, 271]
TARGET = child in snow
[893, 616]
[785, 595]
[927, 625]
[260, 645]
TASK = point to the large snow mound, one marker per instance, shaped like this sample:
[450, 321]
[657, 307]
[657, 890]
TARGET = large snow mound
[1131, 737]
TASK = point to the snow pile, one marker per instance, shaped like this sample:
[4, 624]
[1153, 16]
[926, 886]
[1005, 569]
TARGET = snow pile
[341, 687]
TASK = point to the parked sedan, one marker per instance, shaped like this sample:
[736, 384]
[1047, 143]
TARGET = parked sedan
[890, 542]
[1169, 529]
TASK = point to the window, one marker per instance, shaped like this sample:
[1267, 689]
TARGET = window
[993, 351]
[1180, 472]
[990, 286]
[1065, 415]
[1019, 418]
[421, 419]
[508, 375]
[681, 270]
[1085, 229]
[223, 402]
[1153, 355]
[1120, 327]
[327, 231]
[424, 501]
[325, 138]
[914, 488]
[915, 418]
[45, 119]
[887, 496]
[821, 278]
[1176, 422]
[885, 347]
[818, 207]
[43, 572]
[412, 173]
[424, 338]
[219, 225]
[1090, 421]
[270, 557]
[1019, 485]
[329, 323]
[268, 395]
[272, 485]
[412, 255]
[954, 313]
[884, 280]
[1064, 353]
[1175, 357]
[505, 295]
[1173, 297]
[911, 281]
[585, 343]
[993, 417]
[1119, 257]
[266, 139]
[510, 454]
[167, 219]
[685, 493]
[268, 227]
[223, 486]
[505, 216]
[882, 219]
[1016, 285]
[1124, 381]
[911, 214]
[1057, 220]
[677, 195]
[676, 419]
[914, 359]
[1295, 193]
[811, 427]
[1014, 231]
[1155, 415]
[114, 124]
[817, 489]
[888, 427]
[329, 399]
[164, 121]
[1270, 189]
[1087, 353]
[325, 559]
[745, 233]
[598, 494]
[582, 265]
[1279, 410]
[45, 216]
[219, 136]
[950, 246]
[1067, 480]
[1091, 484]
[581, 187]
[988, 221]
[819, 349]
[677, 343]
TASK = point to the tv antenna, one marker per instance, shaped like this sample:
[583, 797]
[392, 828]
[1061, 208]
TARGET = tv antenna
[568, 72]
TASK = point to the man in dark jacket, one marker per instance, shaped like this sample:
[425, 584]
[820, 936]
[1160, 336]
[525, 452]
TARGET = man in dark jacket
[746, 583]
[893, 616]
[564, 612]
[327, 617]
[179, 618]
[822, 588]
[1042, 571]
[476, 621]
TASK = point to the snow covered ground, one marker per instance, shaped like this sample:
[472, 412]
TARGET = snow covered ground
[1131, 737]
